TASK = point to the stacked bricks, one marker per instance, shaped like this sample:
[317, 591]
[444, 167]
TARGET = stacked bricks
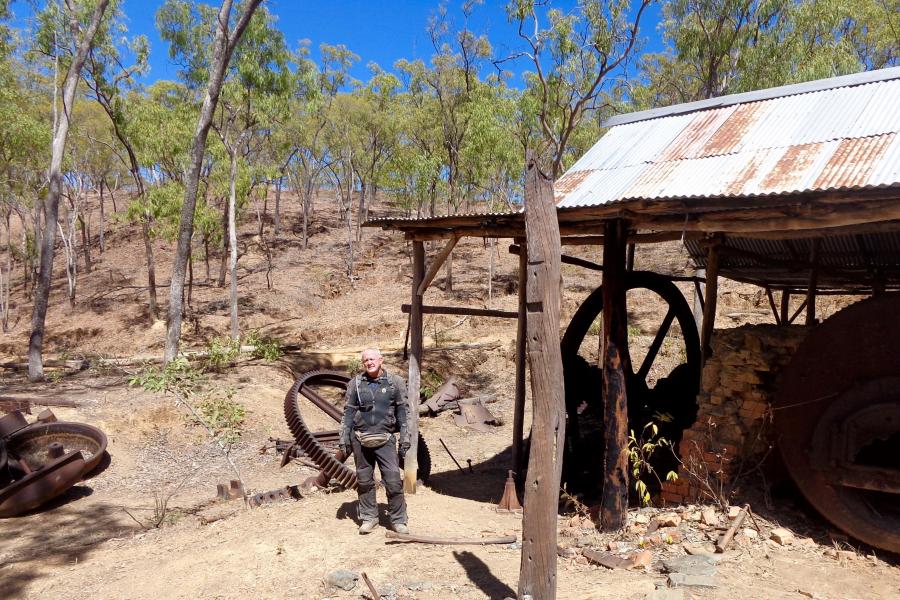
[733, 428]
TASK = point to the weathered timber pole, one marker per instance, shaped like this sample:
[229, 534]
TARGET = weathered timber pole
[699, 292]
[614, 503]
[709, 309]
[813, 281]
[785, 307]
[410, 464]
[519, 405]
[537, 570]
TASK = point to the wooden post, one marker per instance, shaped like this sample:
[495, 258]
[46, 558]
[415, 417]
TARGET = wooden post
[629, 261]
[410, 465]
[699, 292]
[519, 406]
[709, 309]
[615, 359]
[537, 570]
[813, 281]
[785, 306]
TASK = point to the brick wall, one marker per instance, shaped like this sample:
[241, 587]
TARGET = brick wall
[733, 427]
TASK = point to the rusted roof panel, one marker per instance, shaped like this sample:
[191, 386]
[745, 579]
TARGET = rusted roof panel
[843, 137]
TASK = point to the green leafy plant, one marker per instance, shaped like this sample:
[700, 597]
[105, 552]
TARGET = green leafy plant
[221, 351]
[430, 383]
[354, 366]
[640, 452]
[176, 375]
[266, 348]
[222, 415]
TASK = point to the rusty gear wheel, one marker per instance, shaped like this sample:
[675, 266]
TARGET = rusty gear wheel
[837, 420]
[306, 385]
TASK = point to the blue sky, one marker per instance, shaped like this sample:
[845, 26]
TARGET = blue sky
[382, 31]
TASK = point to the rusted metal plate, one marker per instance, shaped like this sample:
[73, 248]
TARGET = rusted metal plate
[834, 446]
[38, 487]
[32, 443]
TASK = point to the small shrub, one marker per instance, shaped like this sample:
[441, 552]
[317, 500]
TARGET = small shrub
[430, 383]
[354, 366]
[596, 327]
[640, 452]
[176, 375]
[266, 348]
[223, 415]
[221, 351]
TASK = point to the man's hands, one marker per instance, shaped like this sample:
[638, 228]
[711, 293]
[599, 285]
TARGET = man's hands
[404, 447]
[345, 448]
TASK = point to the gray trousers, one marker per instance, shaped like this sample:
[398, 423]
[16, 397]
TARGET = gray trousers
[388, 463]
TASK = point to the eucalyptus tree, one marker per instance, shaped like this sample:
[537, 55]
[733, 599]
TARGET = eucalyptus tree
[576, 57]
[110, 76]
[71, 41]
[256, 85]
[316, 87]
[181, 24]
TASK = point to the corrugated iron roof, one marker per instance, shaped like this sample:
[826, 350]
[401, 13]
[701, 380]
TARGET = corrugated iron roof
[818, 137]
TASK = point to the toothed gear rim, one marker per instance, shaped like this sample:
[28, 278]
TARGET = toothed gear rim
[326, 461]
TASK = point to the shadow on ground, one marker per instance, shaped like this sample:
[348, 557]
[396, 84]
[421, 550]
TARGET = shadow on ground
[480, 574]
[483, 484]
[64, 532]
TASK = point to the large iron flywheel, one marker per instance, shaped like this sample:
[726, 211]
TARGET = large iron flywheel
[837, 420]
[663, 393]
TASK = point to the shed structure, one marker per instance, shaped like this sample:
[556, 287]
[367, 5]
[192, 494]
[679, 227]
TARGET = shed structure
[795, 189]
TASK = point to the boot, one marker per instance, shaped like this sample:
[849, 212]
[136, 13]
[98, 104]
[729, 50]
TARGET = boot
[367, 527]
[401, 528]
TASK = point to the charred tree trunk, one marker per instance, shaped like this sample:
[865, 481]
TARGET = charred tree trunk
[85, 242]
[537, 571]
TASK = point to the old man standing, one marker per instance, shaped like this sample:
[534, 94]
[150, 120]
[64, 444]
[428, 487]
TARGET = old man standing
[374, 411]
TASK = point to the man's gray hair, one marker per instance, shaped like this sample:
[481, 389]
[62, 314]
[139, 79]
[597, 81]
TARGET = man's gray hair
[375, 350]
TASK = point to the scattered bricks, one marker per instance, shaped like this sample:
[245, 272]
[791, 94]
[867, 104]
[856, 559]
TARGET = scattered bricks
[733, 512]
[710, 517]
[781, 536]
[749, 533]
[641, 518]
[668, 520]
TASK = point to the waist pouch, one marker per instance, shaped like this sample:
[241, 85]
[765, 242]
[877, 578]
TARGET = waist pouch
[372, 440]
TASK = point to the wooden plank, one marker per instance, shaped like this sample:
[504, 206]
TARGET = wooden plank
[709, 310]
[519, 401]
[813, 281]
[436, 264]
[614, 503]
[430, 309]
[772, 305]
[537, 571]
[410, 465]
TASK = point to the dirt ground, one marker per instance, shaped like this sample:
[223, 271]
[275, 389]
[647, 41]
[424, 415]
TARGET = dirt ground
[100, 539]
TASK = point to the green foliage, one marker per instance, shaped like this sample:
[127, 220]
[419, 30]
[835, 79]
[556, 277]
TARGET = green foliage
[431, 381]
[266, 348]
[176, 376]
[354, 366]
[221, 352]
[221, 414]
[640, 454]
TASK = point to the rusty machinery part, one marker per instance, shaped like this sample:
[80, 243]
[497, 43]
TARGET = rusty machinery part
[34, 488]
[675, 394]
[289, 492]
[11, 423]
[837, 420]
[35, 443]
[332, 467]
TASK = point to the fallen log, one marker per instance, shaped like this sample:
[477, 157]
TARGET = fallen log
[422, 539]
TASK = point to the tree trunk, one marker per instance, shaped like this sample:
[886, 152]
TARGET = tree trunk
[232, 242]
[223, 261]
[51, 203]
[276, 217]
[102, 218]
[361, 211]
[151, 267]
[223, 47]
[537, 570]
[85, 242]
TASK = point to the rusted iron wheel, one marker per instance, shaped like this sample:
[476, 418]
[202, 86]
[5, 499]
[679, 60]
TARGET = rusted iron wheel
[309, 386]
[673, 394]
[38, 487]
[33, 443]
[837, 420]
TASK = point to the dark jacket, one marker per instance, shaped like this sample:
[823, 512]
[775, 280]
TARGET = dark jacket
[375, 405]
